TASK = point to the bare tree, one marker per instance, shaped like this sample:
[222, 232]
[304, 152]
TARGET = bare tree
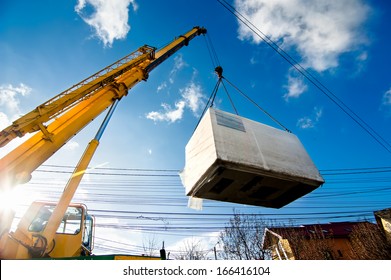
[242, 239]
[369, 243]
[150, 246]
[192, 250]
[310, 244]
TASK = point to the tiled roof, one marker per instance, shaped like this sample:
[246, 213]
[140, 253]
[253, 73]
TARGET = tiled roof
[338, 229]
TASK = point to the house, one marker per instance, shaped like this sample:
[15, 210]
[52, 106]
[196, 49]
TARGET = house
[316, 241]
[383, 219]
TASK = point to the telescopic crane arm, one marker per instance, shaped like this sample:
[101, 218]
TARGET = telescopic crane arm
[60, 118]
[35, 120]
[55, 122]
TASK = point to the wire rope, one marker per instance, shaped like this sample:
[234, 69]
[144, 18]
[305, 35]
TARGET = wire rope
[310, 77]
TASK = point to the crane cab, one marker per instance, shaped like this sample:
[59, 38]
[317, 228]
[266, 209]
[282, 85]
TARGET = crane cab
[73, 238]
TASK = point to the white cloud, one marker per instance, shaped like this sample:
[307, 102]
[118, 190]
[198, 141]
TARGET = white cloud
[179, 64]
[4, 121]
[320, 30]
[253, 60]
[177, 113]
[362, 56]
[161, 86]
[191, 98]
[318, 113]
[10, 101]
[71, 145]
[109, 19]
[9, 95]
[295, 87]
[305, 123]
[168, 114]
[310, 122]
[387, 98]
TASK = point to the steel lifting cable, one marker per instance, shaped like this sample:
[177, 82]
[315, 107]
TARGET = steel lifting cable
[209, 103]
[221, 79]
[215, 62]
[310, 77]
[230, 99]
[212, 97]
[212, 51]
[257, 105]
[219, 73]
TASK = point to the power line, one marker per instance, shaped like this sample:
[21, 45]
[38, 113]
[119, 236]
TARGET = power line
[378, 168]
[133, 197]
[309, 76]
[350, 171]
[114, 168]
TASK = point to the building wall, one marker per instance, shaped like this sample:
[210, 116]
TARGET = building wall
[383, 219]
[340, 249]
[386, 224]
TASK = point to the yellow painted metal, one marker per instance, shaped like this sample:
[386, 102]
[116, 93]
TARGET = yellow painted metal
[73, 110]
[31, 242]
[69, 191]
[17, 166]
[33, 120]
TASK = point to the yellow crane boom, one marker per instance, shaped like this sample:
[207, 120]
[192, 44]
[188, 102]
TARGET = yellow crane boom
[55, 122]
[75, 108]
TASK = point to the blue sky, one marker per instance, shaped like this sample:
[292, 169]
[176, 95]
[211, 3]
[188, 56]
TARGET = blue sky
[47, 46]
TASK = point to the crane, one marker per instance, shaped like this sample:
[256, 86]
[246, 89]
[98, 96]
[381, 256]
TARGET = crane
[64, 229]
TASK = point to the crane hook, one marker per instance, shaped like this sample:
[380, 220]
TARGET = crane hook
[219, 71]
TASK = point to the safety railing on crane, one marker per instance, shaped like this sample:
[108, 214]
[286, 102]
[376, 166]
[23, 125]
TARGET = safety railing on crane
[68, 98]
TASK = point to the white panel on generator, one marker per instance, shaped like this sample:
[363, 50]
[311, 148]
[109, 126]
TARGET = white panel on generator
[234, 159]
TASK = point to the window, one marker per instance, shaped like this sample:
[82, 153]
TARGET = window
[328, 255]
[340, 253]
[41, 219]
[88, 231]
[70, 224]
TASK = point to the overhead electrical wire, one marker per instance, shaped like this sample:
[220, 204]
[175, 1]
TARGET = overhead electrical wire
[351, 171]
[184, 222]
[115, 168]
[143, 203]
[166, 223]
[144, 190]
[175, 172]
[309, 76]
[135, 193]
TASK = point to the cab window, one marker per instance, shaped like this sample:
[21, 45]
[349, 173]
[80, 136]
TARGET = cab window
[70, 224]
